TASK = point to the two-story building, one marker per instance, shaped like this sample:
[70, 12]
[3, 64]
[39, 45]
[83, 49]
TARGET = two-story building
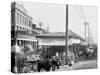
[22, 30]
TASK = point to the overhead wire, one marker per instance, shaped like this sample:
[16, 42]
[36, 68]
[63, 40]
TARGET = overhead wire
[77, 12]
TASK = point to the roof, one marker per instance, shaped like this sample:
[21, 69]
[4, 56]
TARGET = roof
[58, 34]
[20, 7]
[61, 34]
[53, 34]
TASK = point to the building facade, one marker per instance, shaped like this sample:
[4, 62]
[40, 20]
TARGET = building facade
[20, 20]
[22, 32]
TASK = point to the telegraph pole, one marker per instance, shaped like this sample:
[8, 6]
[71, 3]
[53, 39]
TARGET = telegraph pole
[86, 32]
[85, 24]
[66, 49]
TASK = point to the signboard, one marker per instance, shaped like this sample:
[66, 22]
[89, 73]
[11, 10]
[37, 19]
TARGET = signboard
[33, 57]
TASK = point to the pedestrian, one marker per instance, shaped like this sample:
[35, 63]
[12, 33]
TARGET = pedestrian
[71, 58]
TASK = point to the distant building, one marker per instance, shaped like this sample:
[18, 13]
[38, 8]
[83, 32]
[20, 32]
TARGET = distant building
[37, 29]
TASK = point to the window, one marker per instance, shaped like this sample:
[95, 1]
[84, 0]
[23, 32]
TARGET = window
[34, 45]
[21, 29]
[20, 19]
[30, 23]
[12, 18]
[17, 17]
[23, 20]
[19, 42]
[18, 28]
[27, 22]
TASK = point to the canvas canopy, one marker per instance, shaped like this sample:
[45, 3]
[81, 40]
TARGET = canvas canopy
[51, 42]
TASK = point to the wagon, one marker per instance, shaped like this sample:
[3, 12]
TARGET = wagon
[31, 64]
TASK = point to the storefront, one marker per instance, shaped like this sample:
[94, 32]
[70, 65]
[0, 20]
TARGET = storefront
[22, 40]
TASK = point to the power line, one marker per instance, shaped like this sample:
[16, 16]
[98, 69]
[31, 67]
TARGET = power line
[84, 21]
[77, 12]
[84, 17]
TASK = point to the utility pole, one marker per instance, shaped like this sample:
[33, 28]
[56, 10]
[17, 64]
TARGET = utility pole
[66, 49]
[86, 32]
[85, 24]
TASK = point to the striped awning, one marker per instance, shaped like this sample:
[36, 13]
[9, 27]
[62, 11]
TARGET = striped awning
[25, 37]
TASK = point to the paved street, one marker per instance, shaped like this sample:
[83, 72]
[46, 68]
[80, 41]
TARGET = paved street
[89, 64]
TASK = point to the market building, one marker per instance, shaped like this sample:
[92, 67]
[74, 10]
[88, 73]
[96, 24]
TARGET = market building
[55, 42]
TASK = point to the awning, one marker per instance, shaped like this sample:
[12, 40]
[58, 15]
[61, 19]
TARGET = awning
[26, 39]
[51, 42]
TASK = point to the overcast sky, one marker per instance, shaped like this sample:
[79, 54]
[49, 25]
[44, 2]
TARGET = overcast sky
[54, 17]
[51, 15]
